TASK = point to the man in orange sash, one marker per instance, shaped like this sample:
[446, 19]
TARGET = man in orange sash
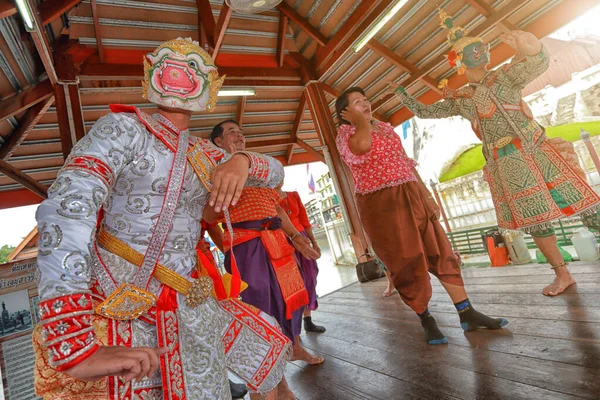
[265, 258]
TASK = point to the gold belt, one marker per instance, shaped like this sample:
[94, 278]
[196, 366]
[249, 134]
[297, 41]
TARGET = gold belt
[196, 292]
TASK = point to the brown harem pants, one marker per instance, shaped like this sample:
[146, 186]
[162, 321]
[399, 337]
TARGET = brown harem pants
[410, 241]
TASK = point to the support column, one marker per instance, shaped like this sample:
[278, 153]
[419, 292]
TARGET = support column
[585, 136]
[326, 129]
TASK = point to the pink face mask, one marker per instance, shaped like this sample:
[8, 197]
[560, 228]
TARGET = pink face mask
[180, 74]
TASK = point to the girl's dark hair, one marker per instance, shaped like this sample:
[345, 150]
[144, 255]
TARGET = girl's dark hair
[217, 130]
[342, 102]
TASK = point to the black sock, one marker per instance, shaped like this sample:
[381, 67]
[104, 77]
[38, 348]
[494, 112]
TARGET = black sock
[471, 319]
[309, 326]
[432, 332]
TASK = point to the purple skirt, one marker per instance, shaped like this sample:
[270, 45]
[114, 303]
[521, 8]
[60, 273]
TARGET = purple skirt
[263, 290]
[309, 270]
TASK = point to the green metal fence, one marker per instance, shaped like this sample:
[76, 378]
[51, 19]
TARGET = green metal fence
[471, 242]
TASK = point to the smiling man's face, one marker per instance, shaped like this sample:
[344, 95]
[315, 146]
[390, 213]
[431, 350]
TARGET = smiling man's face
[232, 139]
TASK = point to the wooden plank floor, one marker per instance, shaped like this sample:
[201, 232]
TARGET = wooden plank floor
[374, 346]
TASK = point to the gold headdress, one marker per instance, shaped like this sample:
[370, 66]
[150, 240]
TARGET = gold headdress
[457, 37]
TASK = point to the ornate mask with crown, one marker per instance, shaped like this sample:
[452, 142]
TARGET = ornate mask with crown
[180, 74]
[467, 51]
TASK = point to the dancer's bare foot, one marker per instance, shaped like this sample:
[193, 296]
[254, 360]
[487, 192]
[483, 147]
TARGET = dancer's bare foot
[389, 291]
[284, 392]
[300, 353]
[561, 282]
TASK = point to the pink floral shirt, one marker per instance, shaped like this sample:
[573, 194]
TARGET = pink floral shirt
[385, 165]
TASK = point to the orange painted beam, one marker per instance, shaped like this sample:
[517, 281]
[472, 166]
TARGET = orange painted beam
[206, 22]
[400, 62]
[221, 28]
[25, 99]
[26, 124]
[365, 14]
[18, 198]
[23, 179]
[7, 8]
[300, 158]
[52, 9]
[239, 114]
[557, 17]
[281, 37]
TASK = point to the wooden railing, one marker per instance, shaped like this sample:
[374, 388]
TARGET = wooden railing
[470, 241]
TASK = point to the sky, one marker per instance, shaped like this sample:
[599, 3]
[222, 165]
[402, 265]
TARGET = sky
[16, 223]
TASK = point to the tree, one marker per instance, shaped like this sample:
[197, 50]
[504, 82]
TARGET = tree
[4, 252]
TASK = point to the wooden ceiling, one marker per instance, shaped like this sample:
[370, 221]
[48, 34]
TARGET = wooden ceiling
[58, 80]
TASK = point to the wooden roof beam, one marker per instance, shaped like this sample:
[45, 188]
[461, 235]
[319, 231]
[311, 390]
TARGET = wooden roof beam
[401, 62]
[94, 71]
[25, 99]
[239, 114]
[486, 10]
[303, 23]
[311, 150]
[27, 123]
[62, 114]
[23, 179]
[552, 20]
[52, 9]
[206, 22]
[296, 126]
[97, 31]
[281, 37]
[267, 143]
[7, 8]
[489, 23]
[365, 14]
[221, 28]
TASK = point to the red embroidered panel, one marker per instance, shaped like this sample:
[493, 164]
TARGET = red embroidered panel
[92, 165]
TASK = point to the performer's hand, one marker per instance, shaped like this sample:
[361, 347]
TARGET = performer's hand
[126, 362]
[302, 244]
[228, 181]
[353, 116]
[392, 87]
[316, 247]
[523, 42]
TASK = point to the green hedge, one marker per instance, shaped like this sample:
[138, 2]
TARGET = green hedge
[472, 160]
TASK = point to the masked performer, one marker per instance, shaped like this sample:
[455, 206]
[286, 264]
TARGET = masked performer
[125, 310]
[534, 180]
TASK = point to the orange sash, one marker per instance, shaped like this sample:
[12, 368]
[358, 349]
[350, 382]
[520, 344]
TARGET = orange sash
[281, 255]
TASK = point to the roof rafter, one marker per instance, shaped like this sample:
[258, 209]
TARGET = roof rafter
[303, 23]
[486, 10]
[52, 9]
[23, 179]
[365, 14]
[281, 37]
[221, 28]
[206, 22]
[25, 99]
[239, 113]
[27, 123]
[97, 30]
[7, 8]
[400, 62]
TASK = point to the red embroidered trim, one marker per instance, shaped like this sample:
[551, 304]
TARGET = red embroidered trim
[272, 335]
[67, 330]
[119, 334]
[92, 165]
[259, 166]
